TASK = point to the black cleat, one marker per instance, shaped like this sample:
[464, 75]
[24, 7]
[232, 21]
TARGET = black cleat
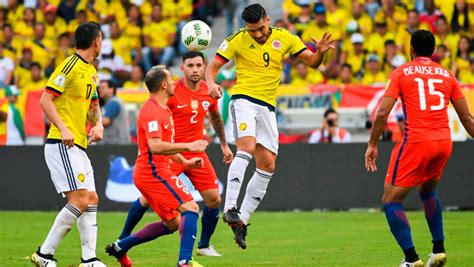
[121, 256]
[240, 232]
[231, 216]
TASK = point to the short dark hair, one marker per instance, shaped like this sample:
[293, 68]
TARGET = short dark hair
[389, 42]
[253, 13]
[35, 64]
[154, 78]
[329, 111]
[85, 34]
[347, 65]
[110, 84]
[423, 43]
[193, 54]
[7, 25]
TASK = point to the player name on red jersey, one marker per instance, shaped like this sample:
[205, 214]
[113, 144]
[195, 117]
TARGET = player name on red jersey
[427, 70]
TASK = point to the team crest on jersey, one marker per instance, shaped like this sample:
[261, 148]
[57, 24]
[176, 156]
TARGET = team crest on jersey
[81, 177]
[194, 104]
[243, 126]
[276, 44]
[205, 105]
[94, 78]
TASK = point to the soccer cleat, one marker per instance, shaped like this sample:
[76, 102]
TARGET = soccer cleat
[42, 260]
[240, 232]
[209, 251]
[231, 216]
[436, 260]
[122, 257]
[417, 263]
[191, 263]
[93, 262]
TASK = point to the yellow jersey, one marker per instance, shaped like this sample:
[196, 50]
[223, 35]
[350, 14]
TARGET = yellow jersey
[259, 66]
[74, 83]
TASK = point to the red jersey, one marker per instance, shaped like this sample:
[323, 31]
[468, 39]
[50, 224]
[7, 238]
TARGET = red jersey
[154, 120]
[425, 89]
[190, 109]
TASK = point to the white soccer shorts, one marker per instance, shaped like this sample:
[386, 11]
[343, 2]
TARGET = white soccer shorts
[250, 119]
[70, 168]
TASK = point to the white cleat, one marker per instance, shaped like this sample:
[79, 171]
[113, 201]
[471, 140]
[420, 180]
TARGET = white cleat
[42, 261]
[209, 251]
[417, 263]
[436, 260]
[94, 262]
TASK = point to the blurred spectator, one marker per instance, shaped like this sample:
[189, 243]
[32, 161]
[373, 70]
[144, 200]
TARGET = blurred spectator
[67, 9]
[123, 46]
[469, 78]
[374, 76]
[345, 76]
[114, 119]
[371, 7]
[460, 21]
[22, 71]
[301, 22]
[178, 12]
[444, 35]
[132, 30]
[11, 123]
[335, 16]
[7, 66]
[442, 56]
[55, 26]
[364, 22]
[430, 15]
[64, 49]
[376, 39]
[111, 65]
[43, 49]
[393, 58]
[11, 43]
[330, 132]
[24, 27]
[37, 81]
[356, 57]
[95, 9]
[393, 14]
[405, 32]
[15, 12]
[136, 81]
[79, 18]
[305, 76]
[465, 51]
[291, 10]
[158, 47]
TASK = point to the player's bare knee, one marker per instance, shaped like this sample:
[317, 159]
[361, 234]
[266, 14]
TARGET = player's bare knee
[173, 224]
[143, 202]
[93, 198]
[267, 165]
[213, 202]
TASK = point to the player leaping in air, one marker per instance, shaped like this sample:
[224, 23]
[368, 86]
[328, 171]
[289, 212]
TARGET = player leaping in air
[258, 51]
[425, 89]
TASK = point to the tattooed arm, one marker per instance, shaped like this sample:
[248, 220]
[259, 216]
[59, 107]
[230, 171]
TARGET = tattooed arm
[94, 116]
[218, 126]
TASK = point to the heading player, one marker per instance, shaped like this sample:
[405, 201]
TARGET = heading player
[258, 51]
[190, 105]
[69, 101]
[169, 198]
[425, 89]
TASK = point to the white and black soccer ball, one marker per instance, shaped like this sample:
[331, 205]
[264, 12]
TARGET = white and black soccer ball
[196, 35]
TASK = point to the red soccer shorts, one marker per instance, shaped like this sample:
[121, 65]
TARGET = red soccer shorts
[414, 163]
[162, 190]
[204, 178]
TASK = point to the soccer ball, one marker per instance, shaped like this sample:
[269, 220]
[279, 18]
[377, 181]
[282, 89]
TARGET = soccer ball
[196, 35]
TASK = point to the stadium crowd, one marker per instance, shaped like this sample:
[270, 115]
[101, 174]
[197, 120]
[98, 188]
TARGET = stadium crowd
[372, 39]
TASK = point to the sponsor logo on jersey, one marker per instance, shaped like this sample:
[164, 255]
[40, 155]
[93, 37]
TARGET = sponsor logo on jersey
[60, 80]
[81, 177]
[276, 44]
[205, 105]
[194, 104]
[243, 126]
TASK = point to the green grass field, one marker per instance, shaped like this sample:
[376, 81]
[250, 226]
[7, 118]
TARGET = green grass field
[275, 238]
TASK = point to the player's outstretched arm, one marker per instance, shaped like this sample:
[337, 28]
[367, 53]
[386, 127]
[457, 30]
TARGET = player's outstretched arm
[46, 103]
[377, 129]
[158, 146]
[467, 119]
[193, 163]
[323, 45]
[218, 126]
[215, 90]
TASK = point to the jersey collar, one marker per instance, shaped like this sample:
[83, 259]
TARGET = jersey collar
[83, 60]
[422, 59]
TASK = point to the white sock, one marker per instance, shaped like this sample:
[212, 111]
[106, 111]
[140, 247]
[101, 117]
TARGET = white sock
[235, 178]
[87, 226]
[61, 226]
[256, 190]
